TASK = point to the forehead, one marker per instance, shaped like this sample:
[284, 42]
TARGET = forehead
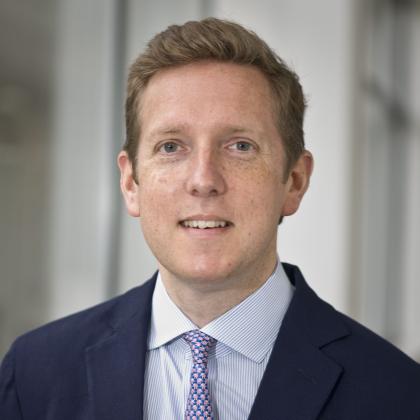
[207, 92]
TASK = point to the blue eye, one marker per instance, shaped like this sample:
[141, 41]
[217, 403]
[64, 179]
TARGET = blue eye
[169, 147]
[242, 146]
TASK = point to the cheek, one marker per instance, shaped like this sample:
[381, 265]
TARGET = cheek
[263, 199]
[159, 177]
[156, 192]
[259, 182]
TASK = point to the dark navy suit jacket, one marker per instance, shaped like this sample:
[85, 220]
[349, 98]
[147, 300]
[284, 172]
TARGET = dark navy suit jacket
[323, 366]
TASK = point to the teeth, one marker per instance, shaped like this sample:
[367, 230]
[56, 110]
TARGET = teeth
[204, 224]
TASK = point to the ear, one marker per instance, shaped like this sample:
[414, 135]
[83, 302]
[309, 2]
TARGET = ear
[297, 183]
[128, 184]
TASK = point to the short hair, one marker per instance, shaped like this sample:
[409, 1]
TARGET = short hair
[223, 41]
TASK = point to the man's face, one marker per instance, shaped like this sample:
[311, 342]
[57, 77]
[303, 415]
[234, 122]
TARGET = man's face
[210, 174]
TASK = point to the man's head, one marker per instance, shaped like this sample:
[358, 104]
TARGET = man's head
[214, 39]
[207, 168]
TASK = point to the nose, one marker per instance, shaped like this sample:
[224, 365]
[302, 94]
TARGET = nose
[205, 175]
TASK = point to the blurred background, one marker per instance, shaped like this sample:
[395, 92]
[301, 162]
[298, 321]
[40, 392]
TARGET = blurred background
[65, 240]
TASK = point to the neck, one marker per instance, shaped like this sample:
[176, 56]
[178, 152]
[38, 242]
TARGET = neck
[213, 301]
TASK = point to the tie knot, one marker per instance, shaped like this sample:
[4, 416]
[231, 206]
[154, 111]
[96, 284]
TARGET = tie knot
[200, 344]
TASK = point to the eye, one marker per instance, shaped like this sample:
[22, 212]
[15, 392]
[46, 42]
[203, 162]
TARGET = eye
[169, 147]
[241, 146]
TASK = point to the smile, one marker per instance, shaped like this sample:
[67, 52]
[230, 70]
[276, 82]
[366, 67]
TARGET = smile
[204, 224]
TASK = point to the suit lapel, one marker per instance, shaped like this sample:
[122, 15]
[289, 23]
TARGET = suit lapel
[297, 382]
[116, 364]
[300, 377]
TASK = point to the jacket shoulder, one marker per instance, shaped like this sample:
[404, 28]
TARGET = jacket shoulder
[374, 352]
[374, 372]
[64, 339]
[45, 371]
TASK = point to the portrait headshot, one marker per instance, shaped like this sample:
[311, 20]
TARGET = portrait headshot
[214, 171]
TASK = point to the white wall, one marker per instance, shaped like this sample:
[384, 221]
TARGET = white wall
[81, 173]
[410, 339]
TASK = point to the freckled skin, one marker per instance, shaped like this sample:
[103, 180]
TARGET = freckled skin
[197, 123]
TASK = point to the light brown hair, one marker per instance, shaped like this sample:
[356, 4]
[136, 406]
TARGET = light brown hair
[215, 39]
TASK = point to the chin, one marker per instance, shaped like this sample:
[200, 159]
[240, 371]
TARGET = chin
[202, 271]
[206, 274]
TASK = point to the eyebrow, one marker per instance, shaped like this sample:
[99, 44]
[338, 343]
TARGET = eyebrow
[168, 130]
[182, 128]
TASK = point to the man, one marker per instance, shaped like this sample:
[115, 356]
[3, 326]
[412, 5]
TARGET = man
[214, 159]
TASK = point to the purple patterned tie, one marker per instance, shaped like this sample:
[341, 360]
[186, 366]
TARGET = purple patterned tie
[198, 403]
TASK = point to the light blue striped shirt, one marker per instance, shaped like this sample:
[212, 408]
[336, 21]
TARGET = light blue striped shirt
[245, 337]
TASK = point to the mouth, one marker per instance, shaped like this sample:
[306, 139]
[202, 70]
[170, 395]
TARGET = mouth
[205, 224]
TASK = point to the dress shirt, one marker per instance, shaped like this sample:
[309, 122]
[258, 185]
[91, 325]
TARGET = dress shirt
[245, 337]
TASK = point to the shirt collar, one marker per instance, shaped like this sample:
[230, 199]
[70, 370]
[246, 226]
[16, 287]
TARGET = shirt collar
[249, 328]
[167, 320]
